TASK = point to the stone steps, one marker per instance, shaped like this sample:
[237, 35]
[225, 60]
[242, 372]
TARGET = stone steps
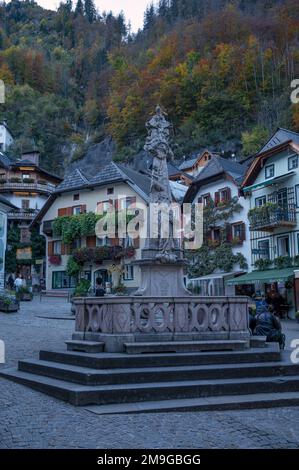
[120, 360]
[81, 395]
[85, 346]
[184, 346]
[228, 402]
[87, 376]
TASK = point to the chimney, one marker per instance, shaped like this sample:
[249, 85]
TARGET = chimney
[31, 156]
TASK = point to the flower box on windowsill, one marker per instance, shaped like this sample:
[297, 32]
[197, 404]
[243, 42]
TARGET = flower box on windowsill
[55, 260]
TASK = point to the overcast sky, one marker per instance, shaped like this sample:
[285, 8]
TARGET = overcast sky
[133, 9]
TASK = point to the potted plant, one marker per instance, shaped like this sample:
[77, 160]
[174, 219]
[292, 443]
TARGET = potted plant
[297, 316]
[24, 294]
[8, 303]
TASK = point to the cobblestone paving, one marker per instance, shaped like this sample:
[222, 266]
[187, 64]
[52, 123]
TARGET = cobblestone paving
[29, 419]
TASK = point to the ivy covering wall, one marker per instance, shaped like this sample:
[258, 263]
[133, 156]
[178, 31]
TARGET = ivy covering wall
[217, 256]
[37, 244]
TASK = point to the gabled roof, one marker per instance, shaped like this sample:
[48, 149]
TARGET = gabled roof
[5, 161]
[173, 170]
[195, 157]
[260, 159]
[74, 180]
[280, 136]
[188, 163]
[215, 169]
[7, 203]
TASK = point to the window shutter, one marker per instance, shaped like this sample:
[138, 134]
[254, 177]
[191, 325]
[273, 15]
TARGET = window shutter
[83, 208]
[62, 212]
[69, 211]
[243, 232]
[131, 201]
[229, 233]
[217, 198]
[50, 248]
[91, 241]
[228, 194]
[115, 242]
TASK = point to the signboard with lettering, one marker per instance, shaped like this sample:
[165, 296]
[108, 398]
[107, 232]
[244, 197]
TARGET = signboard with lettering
[24, 253]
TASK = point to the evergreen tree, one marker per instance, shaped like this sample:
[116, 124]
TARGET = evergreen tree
[149, 17]
[79, 10]
[90, 11]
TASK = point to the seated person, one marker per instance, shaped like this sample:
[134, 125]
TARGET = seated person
[100, 291]
[267, 324]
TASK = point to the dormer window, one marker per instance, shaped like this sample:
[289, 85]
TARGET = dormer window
[293, 162]
[269, 171]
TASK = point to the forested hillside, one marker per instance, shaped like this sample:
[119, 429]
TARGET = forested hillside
[222, 69]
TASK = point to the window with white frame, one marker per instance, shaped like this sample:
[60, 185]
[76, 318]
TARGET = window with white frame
[293, 162]
[206, 198]
[77, 243]
[283, 245]
[269, 171]
[57, 247]
[103, 241]
[264, 249]
[238, 230]
[128, 242]
[260, 201]
[128, 272]
[76, 210]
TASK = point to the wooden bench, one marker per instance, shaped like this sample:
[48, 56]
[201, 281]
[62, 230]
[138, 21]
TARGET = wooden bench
[56, 293]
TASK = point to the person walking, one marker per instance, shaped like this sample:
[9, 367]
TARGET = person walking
[18, 282]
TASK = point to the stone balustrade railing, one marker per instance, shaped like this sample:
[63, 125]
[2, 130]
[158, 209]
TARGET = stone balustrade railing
[225, 316]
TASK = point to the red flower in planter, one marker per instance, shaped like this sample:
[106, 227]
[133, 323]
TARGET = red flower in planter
[55, 259]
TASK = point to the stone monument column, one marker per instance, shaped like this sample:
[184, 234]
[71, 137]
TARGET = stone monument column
[162, 262]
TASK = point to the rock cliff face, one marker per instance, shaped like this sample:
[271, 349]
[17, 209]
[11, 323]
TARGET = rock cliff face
[96, 157]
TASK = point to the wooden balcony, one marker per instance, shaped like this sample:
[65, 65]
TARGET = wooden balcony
[46, 188]
[22, 214]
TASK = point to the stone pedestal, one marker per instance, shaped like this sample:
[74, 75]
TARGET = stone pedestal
[161, 279]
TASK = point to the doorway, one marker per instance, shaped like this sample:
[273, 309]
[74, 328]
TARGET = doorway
[103, 274]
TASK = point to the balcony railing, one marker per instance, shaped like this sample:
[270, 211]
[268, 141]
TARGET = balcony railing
[279, 210]
[270, 216]
[37, 187]
[22, 214]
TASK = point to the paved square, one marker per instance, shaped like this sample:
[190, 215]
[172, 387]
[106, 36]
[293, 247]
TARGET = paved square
[29, 419]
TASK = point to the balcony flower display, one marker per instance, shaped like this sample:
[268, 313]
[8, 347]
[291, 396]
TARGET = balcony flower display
[55, 260]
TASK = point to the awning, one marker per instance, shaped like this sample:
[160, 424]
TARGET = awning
[270, 275]
[215, 276]
[269, 182]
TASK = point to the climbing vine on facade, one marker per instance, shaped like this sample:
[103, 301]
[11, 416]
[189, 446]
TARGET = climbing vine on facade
[216, 254]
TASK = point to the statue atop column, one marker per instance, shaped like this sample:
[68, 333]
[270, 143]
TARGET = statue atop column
[157, 144]
[162, 263]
